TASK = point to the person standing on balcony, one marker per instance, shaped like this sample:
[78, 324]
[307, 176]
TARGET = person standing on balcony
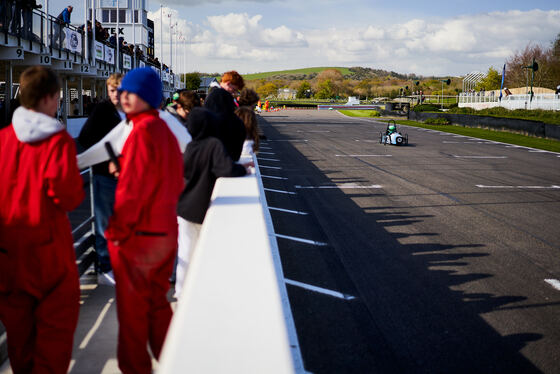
[105, 116]
[39, 284]
[28, 6]
[142, 232]
[62, 20]
[16, 17]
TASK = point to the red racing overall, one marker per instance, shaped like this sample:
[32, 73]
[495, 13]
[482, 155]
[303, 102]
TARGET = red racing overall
[39, 284]
[142, 236]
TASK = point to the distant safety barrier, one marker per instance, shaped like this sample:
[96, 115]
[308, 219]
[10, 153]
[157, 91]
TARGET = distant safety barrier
[538, 101]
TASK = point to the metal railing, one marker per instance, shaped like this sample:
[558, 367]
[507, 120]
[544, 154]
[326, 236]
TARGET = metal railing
[84, 233]
[39, 33]
[548, 101]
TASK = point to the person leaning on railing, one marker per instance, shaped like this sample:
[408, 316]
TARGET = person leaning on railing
[62, 20]
[105, 116]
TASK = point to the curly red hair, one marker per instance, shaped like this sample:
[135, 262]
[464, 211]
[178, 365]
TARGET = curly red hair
[234, 78]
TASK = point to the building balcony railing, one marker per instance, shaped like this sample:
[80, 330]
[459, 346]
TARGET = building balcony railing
[25, 31]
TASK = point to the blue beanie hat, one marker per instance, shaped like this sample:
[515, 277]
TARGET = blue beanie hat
[145, 83]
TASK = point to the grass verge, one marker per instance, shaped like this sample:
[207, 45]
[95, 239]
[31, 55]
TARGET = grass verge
[497, 136]
[360, 113]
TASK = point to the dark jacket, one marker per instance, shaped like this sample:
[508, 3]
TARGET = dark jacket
[204, 160]
[231, 130]
[101, 121]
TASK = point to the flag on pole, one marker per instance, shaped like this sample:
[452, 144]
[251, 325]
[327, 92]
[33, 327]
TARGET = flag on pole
[503, 77]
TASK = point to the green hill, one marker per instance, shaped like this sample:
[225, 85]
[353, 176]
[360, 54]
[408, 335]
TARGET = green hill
[296, 72]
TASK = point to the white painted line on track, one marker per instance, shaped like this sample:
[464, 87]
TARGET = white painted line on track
[301, 240]
[363, 155]
[456, 156]
[289, 211]
[286, 140]
[267, 153]
[279, 191]
[268, 159]
[554, 283]
[324, 291]
[96, 325]
[270, 167]
[341, 186]
[553, 187]
[367, 141]
[273, 177]
[449, 142]
[261, 147]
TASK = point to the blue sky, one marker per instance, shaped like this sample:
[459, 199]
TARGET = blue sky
[422, 37]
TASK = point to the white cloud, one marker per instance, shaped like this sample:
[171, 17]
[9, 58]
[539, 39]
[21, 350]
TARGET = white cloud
[203, 49]
[428, 47]
[373, 32]
[282, 35]
[234, 24]
[202, 2]
[227, 51]
[261, 54]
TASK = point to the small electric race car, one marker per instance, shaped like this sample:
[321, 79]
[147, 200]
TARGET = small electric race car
[392, 135]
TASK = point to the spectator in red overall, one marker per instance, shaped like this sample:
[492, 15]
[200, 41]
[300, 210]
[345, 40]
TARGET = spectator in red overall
[39, 284]
[142, 231]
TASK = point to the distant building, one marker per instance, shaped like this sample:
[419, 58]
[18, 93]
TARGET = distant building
[286, 94]
[133, 20]
[206, 83]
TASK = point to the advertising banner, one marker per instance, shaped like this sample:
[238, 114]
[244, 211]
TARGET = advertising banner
[73, 40]
[127, 62]
[109, 54]
[98, 51]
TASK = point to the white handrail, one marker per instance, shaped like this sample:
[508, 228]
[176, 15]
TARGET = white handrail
[231, 317]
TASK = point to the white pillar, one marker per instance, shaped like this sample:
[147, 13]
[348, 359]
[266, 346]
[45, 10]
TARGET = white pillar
[93, 29]
[46, 6]
[133, 34]
[86, 44]
[170, 56]
[160, 38]
[117, 58]
[80, 96]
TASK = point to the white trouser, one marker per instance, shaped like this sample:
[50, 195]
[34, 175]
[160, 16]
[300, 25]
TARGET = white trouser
[188, 236]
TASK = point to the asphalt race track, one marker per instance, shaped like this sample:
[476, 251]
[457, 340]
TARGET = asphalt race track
[438, 257]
